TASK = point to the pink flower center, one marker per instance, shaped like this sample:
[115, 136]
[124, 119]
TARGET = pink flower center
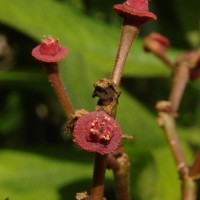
[49, 46]
[100, 131]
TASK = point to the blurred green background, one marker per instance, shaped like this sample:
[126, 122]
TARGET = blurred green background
[37, 157]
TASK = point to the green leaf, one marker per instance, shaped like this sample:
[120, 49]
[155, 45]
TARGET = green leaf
[167, 180]
[10, 114]
[187, 13]
[78, 81]
[189, 20]
[137, 121]
[34, 176]
[26, 80]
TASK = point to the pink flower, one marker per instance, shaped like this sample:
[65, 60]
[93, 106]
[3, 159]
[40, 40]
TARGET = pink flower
[97, 132]
[49, 51]
[135, 10]
[156, 43]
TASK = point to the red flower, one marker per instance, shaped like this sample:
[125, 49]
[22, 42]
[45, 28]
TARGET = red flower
[97, 132]
[135, 10]
[49, 51]
[156, 43]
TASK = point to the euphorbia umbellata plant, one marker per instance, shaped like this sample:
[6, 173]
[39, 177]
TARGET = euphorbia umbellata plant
[97, 131]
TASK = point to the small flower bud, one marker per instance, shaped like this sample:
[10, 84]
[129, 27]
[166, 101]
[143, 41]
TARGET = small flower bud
[156, 43]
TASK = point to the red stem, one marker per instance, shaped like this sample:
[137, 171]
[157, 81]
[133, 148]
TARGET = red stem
[53, 75]
[122, 180]
[97, 192]
[189, 189]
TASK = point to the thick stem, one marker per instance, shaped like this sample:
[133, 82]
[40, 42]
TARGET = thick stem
[97, 192]
[167, 120]
[129, 32]
[122, 179]
[188, 184]
[52, 71]
[180, 80]
[168, 125]
[189, 189]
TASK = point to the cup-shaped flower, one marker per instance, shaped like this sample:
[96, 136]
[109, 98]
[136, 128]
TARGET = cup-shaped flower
[156, 43]
[49, 51]
[135, 11]
[97, 132]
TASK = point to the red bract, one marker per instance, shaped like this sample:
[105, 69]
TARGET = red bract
[156, 42]
[97, 132]
[135, 10]
[49, 51]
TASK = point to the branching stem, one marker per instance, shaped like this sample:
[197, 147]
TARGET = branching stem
[165, 60]
[167, 114]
